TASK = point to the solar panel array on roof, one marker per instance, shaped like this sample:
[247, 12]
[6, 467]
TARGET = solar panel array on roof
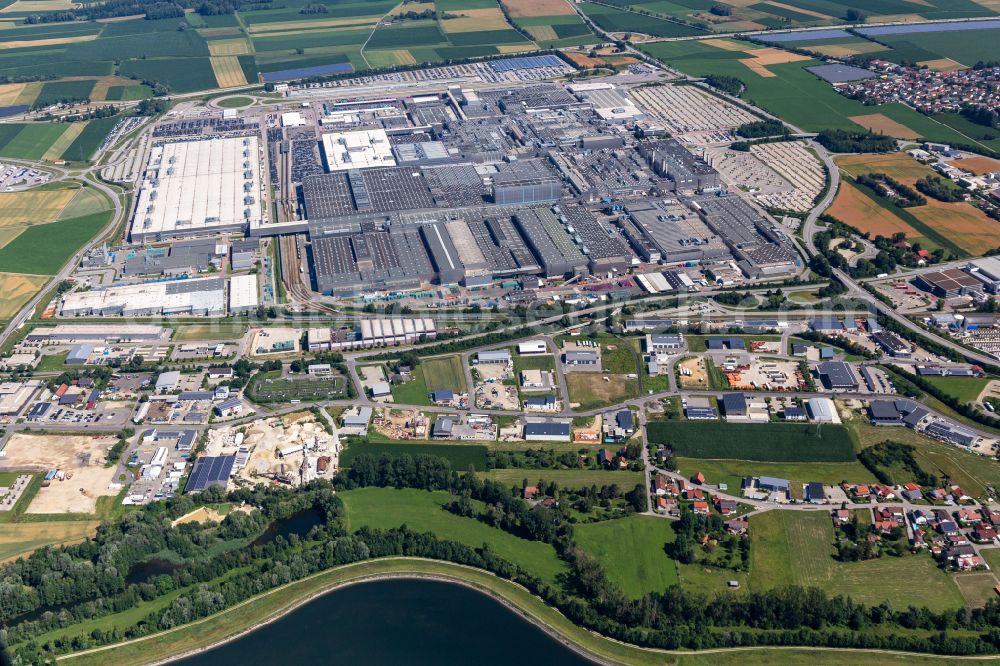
[210, 471]
[529, 62]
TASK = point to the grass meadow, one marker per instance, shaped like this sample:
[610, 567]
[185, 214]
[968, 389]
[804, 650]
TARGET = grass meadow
[797, 547]
[423, 511]
[765, 442]
[631, 550]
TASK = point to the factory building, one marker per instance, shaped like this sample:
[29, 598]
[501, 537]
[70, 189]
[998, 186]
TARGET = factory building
[516, 188]
[670, 234]
[689, 173]
[243, 293]
[348, 260]
[357, 150]
[97, 333]
[199, 187]
[384, 332]
[178, 258]
[445, 257]
[199, 296]
[553, 246]
[950, 282]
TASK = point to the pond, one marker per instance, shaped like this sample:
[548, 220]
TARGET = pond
[298, 523]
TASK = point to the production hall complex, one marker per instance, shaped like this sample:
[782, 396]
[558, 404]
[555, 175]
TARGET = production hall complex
[458, 186]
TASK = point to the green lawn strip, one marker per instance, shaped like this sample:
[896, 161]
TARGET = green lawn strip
[965, 389]
[443, 373]
[53, 362]
[424, 511]
[567, 478]
[732, 471]
[766, 442]
[413, 392]
[632, 552]
[797, 547]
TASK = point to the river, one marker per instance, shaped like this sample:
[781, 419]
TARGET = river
[395, 623]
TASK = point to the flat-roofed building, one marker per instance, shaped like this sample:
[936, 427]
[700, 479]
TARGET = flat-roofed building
[532, 348]
[357, 150]
[14, 396]
[97, 333]
[837, 376]
[198, 296]
[949, 283]
[243, 293]
[199, 187]
[664, 343]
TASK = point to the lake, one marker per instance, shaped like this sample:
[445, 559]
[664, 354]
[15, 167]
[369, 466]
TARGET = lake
[396, 623]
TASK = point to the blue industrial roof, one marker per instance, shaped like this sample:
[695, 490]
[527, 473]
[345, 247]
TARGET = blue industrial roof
[734, 403]
[529, 62]
[209, 471]
[547, 429]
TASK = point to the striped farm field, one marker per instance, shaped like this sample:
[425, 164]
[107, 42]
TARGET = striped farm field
[520, 8]
[229, 47]
[7, 234]
[52, 41]
[228, 71]
[542, 32]
[404, 57]
[64, 141]
[17, 289]
[19, 209]
[295, 26]
[475, 20]
[11, 92]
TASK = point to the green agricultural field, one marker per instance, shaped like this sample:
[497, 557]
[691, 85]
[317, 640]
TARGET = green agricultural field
[43, 249]
[54, 92]
[766, 442]
[965, 389]
[179, 74]
[732, 471]
[423, 511]
[90, 139]
[29, 141]
[461, 456]
[796, 547]
[567, 478]
[128, 93]
[444, 373]
[406, 36]
[509, 36]
[631, 552]
[618, 20]
[313, 39]
[964, 46]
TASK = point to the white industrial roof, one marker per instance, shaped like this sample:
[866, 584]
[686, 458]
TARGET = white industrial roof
[357, 150]
[823, 410]
[199, 186]
[242, 292]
